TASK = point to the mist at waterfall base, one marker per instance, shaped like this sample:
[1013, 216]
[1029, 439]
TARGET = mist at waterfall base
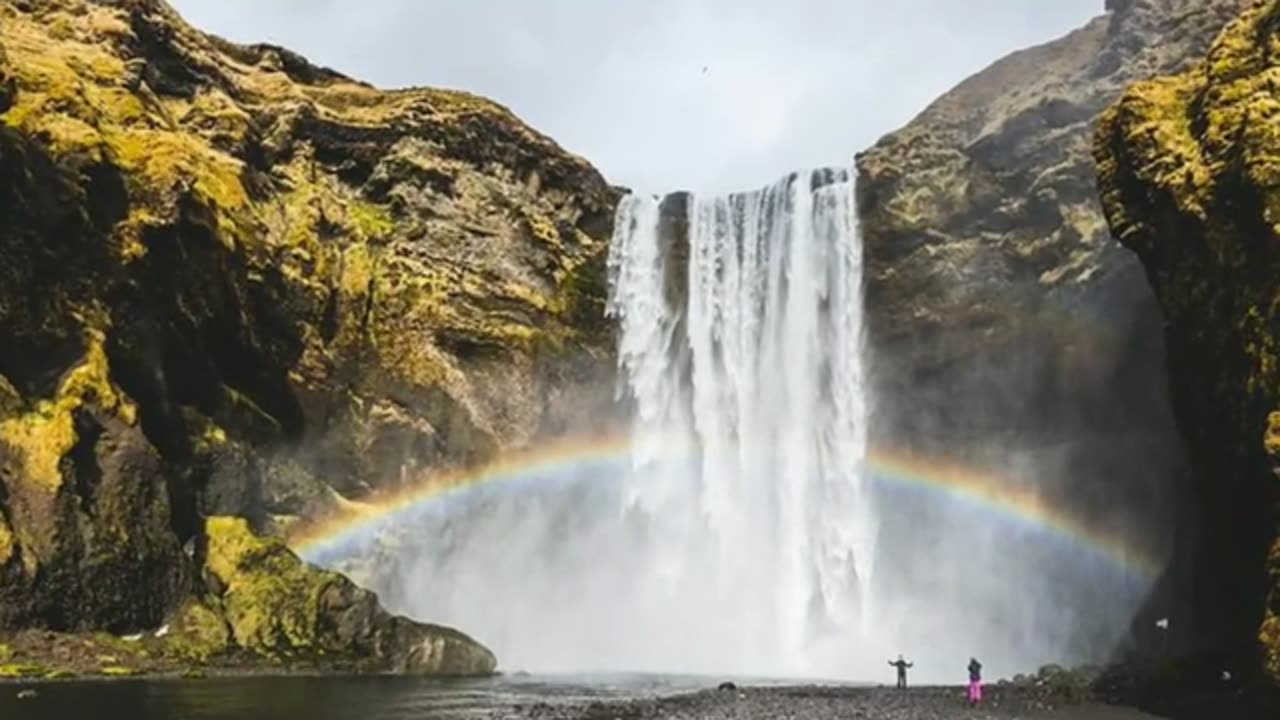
[746, 532]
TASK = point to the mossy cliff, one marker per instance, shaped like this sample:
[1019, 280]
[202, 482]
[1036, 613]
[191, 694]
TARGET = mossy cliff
[238, 284]
[1008, 328]
[1189, 169]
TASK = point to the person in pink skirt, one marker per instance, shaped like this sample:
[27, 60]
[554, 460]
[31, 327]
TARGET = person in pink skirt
[975, 681]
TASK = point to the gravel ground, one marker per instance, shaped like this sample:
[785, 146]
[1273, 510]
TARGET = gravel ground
[814, 703]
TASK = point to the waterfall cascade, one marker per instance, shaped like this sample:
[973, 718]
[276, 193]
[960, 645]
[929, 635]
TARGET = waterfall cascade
[741, 339]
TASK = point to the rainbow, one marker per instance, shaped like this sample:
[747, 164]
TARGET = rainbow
[356, 521]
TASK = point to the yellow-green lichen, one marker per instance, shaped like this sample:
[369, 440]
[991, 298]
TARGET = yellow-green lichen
[369, 221]
[359, 263]
[211, 436]
[72, 93]
[44, 435]
[1269, 632]
[6, 547]
[22, 670]
[271, 599]
[167, 159]
[543, 228]
[1271, 437]
[197, 633]
[117, 671]
[215, 115]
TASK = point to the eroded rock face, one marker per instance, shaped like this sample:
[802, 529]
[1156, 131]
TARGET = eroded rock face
[1005, 320]
[1189, 168]
[238, 284]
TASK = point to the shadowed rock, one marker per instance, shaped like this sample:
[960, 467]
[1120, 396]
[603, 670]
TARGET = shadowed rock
[1188, 169]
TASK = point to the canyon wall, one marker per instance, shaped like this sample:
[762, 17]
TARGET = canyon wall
[1189, 168]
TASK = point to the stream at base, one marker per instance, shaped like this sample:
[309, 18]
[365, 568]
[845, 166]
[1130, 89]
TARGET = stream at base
[334, 698]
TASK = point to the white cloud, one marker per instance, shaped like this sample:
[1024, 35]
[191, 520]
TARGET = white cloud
[787, 84]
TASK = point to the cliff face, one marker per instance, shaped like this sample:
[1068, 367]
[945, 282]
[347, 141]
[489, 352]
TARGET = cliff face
[1005, 320]
[1189, 167]
[238, 284]
[983, 232]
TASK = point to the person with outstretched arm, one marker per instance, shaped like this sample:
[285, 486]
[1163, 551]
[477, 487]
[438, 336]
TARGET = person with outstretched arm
[975, 681]
[902, 666]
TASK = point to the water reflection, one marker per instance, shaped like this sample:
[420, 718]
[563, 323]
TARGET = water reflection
[324, 698]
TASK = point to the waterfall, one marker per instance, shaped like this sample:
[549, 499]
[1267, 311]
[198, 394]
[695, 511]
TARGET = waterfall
[741, 339]
[748, 530]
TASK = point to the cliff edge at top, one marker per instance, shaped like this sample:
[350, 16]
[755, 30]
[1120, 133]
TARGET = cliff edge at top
[1189, 168]
[985, 241]
[237, 284]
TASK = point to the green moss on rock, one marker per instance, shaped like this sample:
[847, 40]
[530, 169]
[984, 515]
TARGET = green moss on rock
[280, 608]
[22, 670]
[45, 435]
[197, 633]
[271, 599]
[6, 542]
[1189, 170]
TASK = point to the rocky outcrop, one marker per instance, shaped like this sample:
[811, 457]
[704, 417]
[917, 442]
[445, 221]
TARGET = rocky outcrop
[274, 605]
[1189, 168]
[239, 284]
[1005, 320]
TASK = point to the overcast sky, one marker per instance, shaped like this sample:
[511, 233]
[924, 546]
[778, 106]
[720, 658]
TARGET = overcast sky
[787, 83]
